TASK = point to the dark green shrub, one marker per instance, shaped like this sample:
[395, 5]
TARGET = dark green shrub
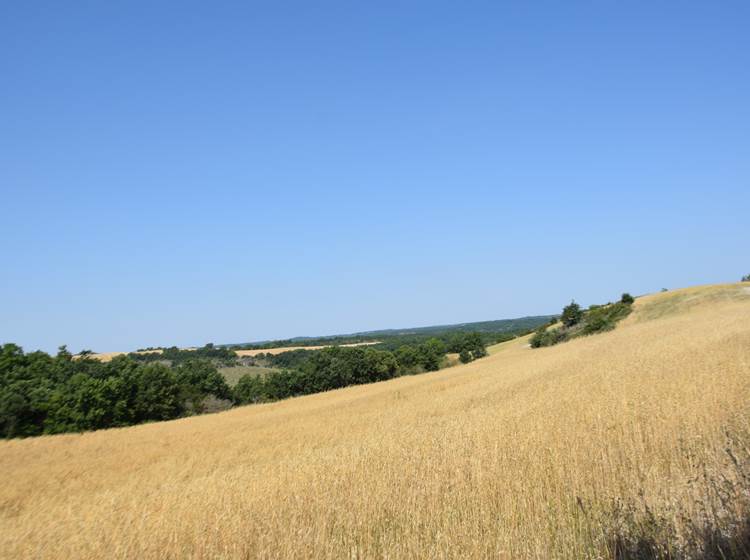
[627, 299]
[250, 389]
[203, 376]
[605, 318]
[548, 337]
[407, 358]
[199, 379]
[158, 394]
[538, 338]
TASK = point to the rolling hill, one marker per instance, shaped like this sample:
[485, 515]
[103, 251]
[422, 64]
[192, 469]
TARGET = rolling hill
[630, 442]
[498, 326]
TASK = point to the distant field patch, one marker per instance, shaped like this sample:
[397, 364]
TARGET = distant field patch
[109, 356]
[274, 351]
[234, 373]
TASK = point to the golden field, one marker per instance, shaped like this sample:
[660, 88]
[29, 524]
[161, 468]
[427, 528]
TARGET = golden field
[283, 349]
[546, 453]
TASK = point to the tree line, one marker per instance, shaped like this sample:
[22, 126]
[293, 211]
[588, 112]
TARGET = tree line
[43, 394]
[217, 354]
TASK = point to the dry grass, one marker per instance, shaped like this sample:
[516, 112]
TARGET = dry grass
[526, 453]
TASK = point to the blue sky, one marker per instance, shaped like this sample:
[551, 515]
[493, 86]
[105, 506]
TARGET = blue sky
[179, 173]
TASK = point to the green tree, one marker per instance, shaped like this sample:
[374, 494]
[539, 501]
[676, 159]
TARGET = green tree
[571, 314]
[202, 377]
[378, 365]
[431, 354]
[158, 394]
[475, 345]
[23, 407]
[627, 299]
[85, 403]
[63, 354]
[250, 389]
[407, 358]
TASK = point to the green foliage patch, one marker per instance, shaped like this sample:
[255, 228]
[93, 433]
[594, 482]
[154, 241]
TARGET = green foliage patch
[336, 367]
[577, 322]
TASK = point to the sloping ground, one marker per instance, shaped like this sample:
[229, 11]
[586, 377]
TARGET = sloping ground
[664, 304]
[567, 451]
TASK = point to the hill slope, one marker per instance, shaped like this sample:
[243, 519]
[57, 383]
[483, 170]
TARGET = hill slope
[568, 451]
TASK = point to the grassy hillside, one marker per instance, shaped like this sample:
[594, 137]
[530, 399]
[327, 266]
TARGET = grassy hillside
[633, 438]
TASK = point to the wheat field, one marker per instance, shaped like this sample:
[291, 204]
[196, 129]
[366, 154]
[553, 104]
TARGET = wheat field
[549, 453]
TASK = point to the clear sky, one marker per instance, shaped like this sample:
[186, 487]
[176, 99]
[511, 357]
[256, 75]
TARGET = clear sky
[186, 172]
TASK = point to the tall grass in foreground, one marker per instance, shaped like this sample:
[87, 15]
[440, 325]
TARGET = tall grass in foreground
[630, 444]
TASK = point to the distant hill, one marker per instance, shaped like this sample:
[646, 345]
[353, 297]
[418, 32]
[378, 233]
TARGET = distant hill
[499, 326]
